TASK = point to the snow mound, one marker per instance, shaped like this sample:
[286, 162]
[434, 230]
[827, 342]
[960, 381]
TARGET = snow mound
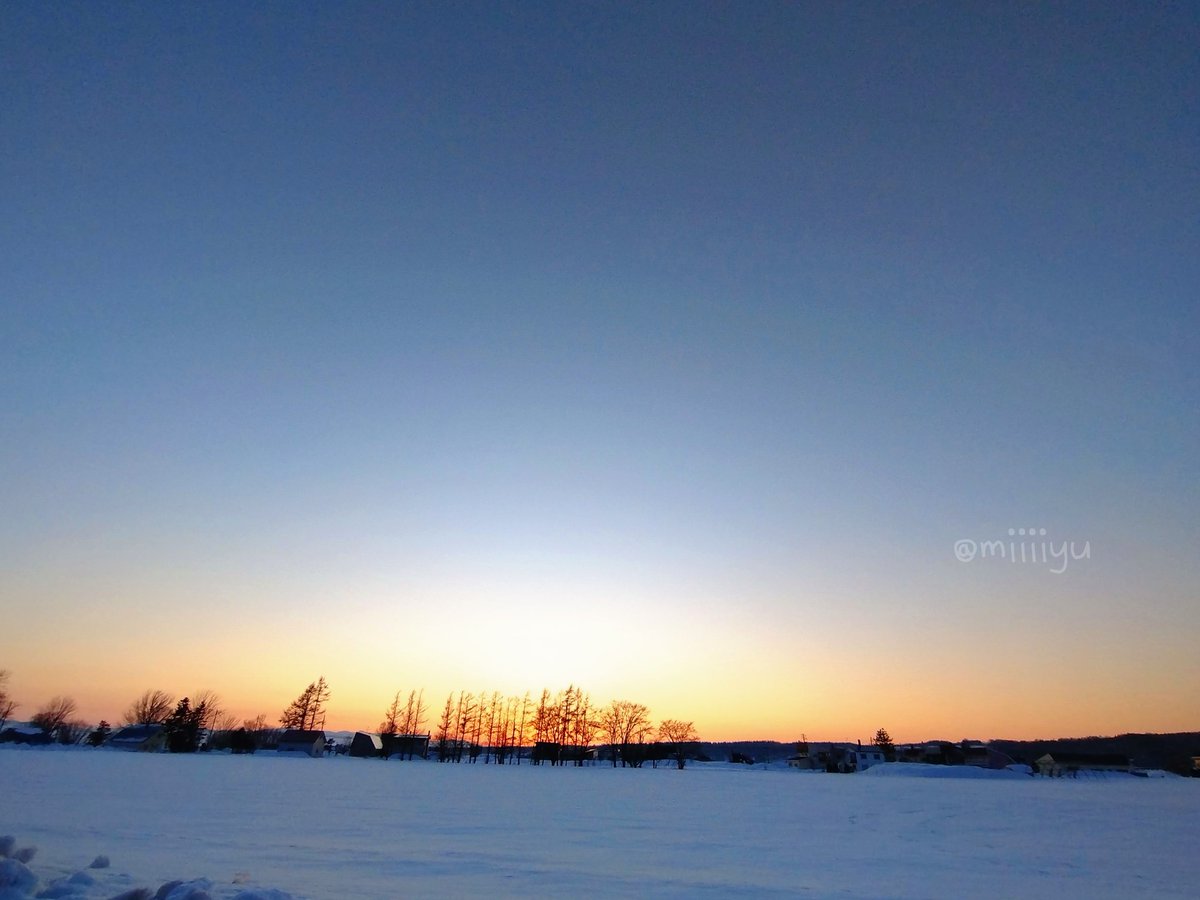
[185, 890]
[925, 770]
[16, 881]
[19, 882]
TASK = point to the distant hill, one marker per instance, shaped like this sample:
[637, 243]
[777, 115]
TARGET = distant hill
[1172, 752]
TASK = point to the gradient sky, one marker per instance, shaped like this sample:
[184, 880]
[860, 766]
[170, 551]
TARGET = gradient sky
[665, 349]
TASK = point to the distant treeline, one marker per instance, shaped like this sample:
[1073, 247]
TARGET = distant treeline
[1172, 752]
[741, 751]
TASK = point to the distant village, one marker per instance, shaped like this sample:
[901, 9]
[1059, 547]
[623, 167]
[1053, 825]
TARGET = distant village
[831, 757]
[847, 758]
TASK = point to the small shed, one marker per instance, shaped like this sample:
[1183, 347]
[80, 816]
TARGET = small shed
[366, 744]
[310, 743]
[143, 738]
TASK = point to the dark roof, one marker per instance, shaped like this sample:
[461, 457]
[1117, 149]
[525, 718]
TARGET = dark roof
[22, 736]
[136, 733]
[296, 736]
[1085, 759]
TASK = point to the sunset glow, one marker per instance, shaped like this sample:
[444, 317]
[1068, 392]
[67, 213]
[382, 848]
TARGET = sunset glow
[669, 352]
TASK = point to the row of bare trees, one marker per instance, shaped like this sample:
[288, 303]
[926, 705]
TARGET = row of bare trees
[197, 717]
[225, 729]
[198, 721]
[561, 728]
[404, 720]
[473, 725]
[154, 707]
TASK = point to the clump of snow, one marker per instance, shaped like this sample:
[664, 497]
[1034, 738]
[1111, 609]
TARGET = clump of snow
[59, 889]
[16, 881]
[185, 890]
[74, 886]
[19, 882]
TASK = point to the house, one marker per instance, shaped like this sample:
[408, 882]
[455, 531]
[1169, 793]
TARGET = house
[1059, 763]
[25, 734]
[310, 743]
[409, 745]
[935, 753]
[143, 738]
[366, 744]
[985, 757]
[865, 757]
[830, 757]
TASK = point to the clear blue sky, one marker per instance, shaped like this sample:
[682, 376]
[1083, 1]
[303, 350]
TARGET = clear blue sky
[370, 334]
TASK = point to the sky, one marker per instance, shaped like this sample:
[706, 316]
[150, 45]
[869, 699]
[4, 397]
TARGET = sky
[688, 352]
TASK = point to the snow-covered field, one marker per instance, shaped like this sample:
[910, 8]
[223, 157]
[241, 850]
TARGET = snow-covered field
[348, 828]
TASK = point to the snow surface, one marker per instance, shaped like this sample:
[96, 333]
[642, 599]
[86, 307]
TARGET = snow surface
[338, 828]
